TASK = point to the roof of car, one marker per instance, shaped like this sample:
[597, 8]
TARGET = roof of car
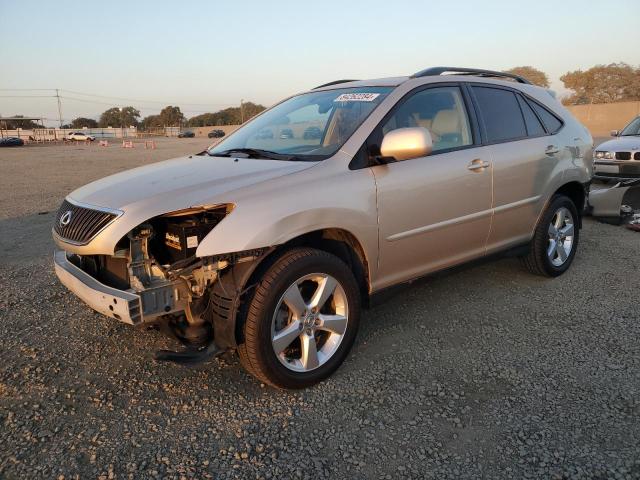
[374, 82]
[433, 73]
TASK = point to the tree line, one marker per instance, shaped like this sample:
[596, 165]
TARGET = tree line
[169, 116]
[615, 82]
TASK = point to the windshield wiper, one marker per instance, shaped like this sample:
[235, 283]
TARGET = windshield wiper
[254, 153]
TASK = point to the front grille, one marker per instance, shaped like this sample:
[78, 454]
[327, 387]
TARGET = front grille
[636, 156]
[84, 223]
[623, 155]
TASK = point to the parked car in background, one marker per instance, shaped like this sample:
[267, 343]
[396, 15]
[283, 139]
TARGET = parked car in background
[286, 133]
[216, 134]
[312, 133]
[11, 142]
[273, 253]
[80, 137]
[264, 134]
[619, 158]
[186, 134]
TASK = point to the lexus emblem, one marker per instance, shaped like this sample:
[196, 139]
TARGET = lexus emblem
[65, 218]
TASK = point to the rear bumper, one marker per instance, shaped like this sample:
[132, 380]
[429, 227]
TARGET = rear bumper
[119, 304]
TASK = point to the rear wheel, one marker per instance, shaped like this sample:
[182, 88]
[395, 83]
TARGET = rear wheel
[555, 240]
[302, 319]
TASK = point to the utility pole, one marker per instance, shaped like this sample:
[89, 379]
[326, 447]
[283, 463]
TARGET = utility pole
[59, 107]
[122, 122]
[241, 111]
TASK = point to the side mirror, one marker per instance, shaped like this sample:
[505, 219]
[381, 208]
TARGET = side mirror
[615, 133]
[407, 143]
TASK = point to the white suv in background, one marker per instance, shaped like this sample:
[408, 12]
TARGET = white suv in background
[81, 137]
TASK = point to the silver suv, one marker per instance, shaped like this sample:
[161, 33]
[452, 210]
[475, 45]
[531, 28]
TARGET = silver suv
[270, 244]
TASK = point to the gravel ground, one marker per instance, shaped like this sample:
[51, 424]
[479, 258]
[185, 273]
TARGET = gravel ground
[37, 177]
[488, 372]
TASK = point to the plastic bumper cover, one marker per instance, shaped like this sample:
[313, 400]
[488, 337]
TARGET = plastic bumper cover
[119, 304]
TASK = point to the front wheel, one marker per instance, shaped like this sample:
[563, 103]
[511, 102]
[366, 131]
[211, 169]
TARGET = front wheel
[302, 319]
[555, 239]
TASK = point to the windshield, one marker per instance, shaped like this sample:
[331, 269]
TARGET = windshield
[311, 126]
[632, 129]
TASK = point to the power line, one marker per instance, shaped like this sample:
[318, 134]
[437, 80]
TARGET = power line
[146, 101]
[27, 96]
[157, 109]
[57, 95]
[83, 94]
[26, 89]
[87, 101]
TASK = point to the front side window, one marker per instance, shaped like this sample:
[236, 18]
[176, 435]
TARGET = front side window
[500, 113]
[311, 126]
[632, 129]
[440, 110]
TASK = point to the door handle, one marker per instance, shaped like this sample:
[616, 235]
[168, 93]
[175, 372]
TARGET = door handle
[477, 165]
[551, 150]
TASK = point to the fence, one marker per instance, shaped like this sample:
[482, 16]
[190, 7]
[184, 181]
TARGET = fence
[59, 134]
[54, 134]
[601, 118]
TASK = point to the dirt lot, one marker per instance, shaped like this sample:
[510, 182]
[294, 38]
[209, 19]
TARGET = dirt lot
[36, 177]
[488, 372]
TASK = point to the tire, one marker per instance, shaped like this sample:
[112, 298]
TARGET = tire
[545, 255]
[271, 323]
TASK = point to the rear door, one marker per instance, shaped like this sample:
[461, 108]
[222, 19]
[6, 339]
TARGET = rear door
[434, 211]
[524, 158]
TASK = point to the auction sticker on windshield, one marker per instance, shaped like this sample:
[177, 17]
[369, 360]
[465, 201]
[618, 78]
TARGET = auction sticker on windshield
[357, 97]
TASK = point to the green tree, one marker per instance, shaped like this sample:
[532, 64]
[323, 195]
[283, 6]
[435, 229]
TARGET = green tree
[171, 116]
[616, 82]
[251, 109]
[116, 117]
[228, 116]
[82, 122]
[151, 121]
[535, 76]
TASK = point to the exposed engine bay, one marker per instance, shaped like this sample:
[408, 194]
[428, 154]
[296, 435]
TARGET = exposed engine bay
[157, 262]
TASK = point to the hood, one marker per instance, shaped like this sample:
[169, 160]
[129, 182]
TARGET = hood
[182, 182]
[625, 144]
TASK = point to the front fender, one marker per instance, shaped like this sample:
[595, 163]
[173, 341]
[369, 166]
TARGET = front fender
[247, 229]
[332, 198]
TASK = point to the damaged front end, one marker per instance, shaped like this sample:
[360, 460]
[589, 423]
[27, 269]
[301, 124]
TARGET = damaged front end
[155, 279]
[617, 205]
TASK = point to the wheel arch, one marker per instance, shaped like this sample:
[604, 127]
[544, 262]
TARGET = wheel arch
[577, 193]
[237, 285]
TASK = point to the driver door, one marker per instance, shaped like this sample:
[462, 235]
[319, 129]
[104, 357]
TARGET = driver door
[434, 211]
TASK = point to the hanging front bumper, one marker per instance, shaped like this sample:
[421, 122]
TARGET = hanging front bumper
[119, 304]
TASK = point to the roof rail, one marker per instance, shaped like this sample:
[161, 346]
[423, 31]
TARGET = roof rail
[434, 71]
[335, 82]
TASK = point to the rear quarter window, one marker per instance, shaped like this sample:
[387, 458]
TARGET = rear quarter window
[500, 113]
[534, 127]
[550, 121]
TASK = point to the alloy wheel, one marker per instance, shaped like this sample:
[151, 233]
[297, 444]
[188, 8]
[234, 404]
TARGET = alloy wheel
[309, 322]
[561, 234]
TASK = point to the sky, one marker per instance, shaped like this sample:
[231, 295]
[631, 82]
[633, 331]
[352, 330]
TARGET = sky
[208, 55]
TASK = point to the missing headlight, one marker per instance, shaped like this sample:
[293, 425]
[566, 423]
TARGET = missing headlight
[178, 234]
